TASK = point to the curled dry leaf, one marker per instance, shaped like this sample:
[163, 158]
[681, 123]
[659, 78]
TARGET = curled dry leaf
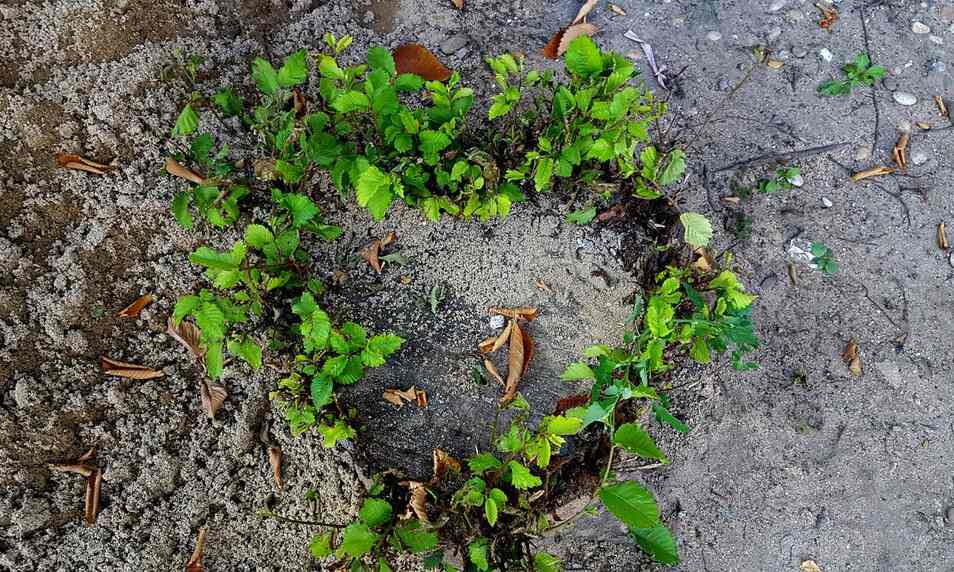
[829, 16]
[459, 4]
[809, 566]
[195, 562]
[923, 125]
[213, 394]
[77, 163]
[941, 107]
[78, 468]
[528, 349]
[298, 103]
[584, 10]
[127, 370]
[705, 263]
[515, 363]
[942, 237]
[416, 59]
[275, 460]
[177, 170]
[573, 32]
[87, 455]
[492, 370]
[617, 10]
[443, 464]
[417, 504]
[900, 151]
[502, 338]
[852, 357]
[373, 251]
[410, 395]
[487, 344]
[526, 312]
[775, 64]
[542, 285]
[872, 172]
[189, 335]
[552, 49]
[792, 274]
[132, 310]
[94, 485]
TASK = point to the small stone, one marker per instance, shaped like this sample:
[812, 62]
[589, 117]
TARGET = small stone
[496, 322]
[937, 66]
[827, 203]
[904, 126]
[454, 43]
[723, 84]
[825, 54]
[776, 5]
[794, 16]
[713, 36]
[799, 52]
[920, 28]
[949, 516]
[773, 34]
[919, 158]
[936, 39]
[905, 98]
[797, 180]
[862, 152]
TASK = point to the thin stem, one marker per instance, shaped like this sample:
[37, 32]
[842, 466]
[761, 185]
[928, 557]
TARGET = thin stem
[270, 514]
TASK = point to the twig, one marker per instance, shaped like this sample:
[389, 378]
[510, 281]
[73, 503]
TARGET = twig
[780, 157]
[270, 514]
[874, 96]
[718, 108]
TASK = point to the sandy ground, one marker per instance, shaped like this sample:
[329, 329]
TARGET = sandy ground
[794, 461]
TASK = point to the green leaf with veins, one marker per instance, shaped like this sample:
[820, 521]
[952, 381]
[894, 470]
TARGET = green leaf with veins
[521, 478]
[658, 542]
[375, 512]
[479, 464]
[265, 76]
[578, 371]
[697, 229]
[634, 439]
[584, 216]
[583, 58]
[631, 504]
[248, 351]
[374, 191]
[295, 69]
[477, 553]
[320, 545]
[356, 540]
[186, 123]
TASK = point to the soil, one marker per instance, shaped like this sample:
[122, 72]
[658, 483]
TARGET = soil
[796, 460]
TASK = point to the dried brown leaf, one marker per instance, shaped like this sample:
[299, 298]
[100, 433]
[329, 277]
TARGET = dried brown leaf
[941, 107]
[87, 455]
[127, 370]
[177, 170]
[299, 105]
[617, 10]
[275, 460]
[809, 566]
[852, 357]
[524, 312]
[775, 64]
[528, 349]
[132, 310]
[459, 4]
[502, 338]
[187, 334]
[573, 32]
[213, 394]
[391, 396]
[551, 50]
[78, 468]
[401, 396]
[77, 163]
[569, 402]
[195, 562]
[485, 345]
[94, 485]
[872, 172]
[829, 16]
[515, 361]
[923, 125]
[792, 274]
[417, 504]
[492, 370]
[443, 464]
[421, 397]
[900, 151]
[612, 213]
[942, 237]
[731, 200]
[416, 59]
[584, 10]
[705, 263]
[373, 250]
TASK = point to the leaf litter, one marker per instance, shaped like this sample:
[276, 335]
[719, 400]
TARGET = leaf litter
[128, 370]
[78, 163]
[275, 460]
[195, 562]
[520, 349]
[372, 253]
[410, 395]
[852, 357]
[132, 310]
[416, 59]
[94, 482]
[177, 170]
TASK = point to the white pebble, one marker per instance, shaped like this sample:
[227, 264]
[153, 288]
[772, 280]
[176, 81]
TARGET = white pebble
[905, 98]
[776, 5]
[797, 180]
[936, 39]
[920, 28]
[827, 203]
[496, 322]
[919, 158]
[713, 36]
[825, 54]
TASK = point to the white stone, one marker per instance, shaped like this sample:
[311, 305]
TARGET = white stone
[920, 28]
[713, 36]
[827, 203]
[862, 152]
[919, 158]
[825, 54]
[496, 322]
[776, 5]
[797, 180]
[936, 39]
[905, 98]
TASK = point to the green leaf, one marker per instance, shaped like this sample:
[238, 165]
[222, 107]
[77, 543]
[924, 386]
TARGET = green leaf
[185, 306]
[634, 439]
[321, 389]
[479, 464]
[560, 425]
[697, 229]
[375, 512]
[583, 58]
[578, 371]
[351, 101]
[265, 76]
[631, 504]
[658, 542]
[357, 540]
[302, 208]
[380, 59]
[331, 434]
[214, 360]
[211, 321]
[374, 191]
[662, 414]
[834, 88]
[408, 82]
[186, 123]
[415, 538]
[674, 168]
[490, 511]
[543, 562]
[180, 209]
[543, 174]
[521, 478]
[248, 351]
[320, 545]
[477, 552]
[229, 103]
[584, 216]
[433, 142]
[601, 150]
[295, 69]
[258, 236]
[385, 344]
[205, 256]
[328, 67]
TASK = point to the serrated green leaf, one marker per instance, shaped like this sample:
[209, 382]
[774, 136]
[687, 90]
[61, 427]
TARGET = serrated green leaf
[180, 209]
[228, 103]
[350, 101]
[584, 216]
[521, 478]
[214, 360]
[374, 192]
[353, 372]
[631, 504]
[490, 511]
[320, 545]
[697, 231]
[248, 351]
[302, 208]
[331, 434]
[578, 371]
[479, 464]
[375, 512]
[477, 553]
[294, 71]
[258, 236]
[357, 540]
[675, 167]
[321, 389]
[543, 174]
[658, 543]
[415, 538]
[583, 58]
[186, 123]
[543, 562]
[560, 425]
[662, 414]
[408, 82]
[634, 439]
[210, 319]
[385, 344]
[265, 76]
[380, 59]
[184, 306]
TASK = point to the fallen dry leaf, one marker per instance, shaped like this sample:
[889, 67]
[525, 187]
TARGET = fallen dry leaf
[923, 125]
[616, 9]
[942, 237]
[872, 172]
[78, 468]
[94, 485]
[941, 107]
[775, 64]
[792, 274]
[731, 200]
[502, 338]
[410, 395]
[584, 10]
[573, 32]
[298, 103]
[417, 504]
[127, 370]
[852, 357]
[569, 402]
[809, 566]
[487, 344]
[829, 16]
[373, 251]
[515, 363]
[416, 59]
[275, 460]
[459, 4]
[132, 310]
[177, 170]
[705, 263]
[195, 563]
[189, 335]
[492, 370]
[900, 151]
[524, 312]
[213, 394]
[528, 350]
[443, 464]
[77, 163]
